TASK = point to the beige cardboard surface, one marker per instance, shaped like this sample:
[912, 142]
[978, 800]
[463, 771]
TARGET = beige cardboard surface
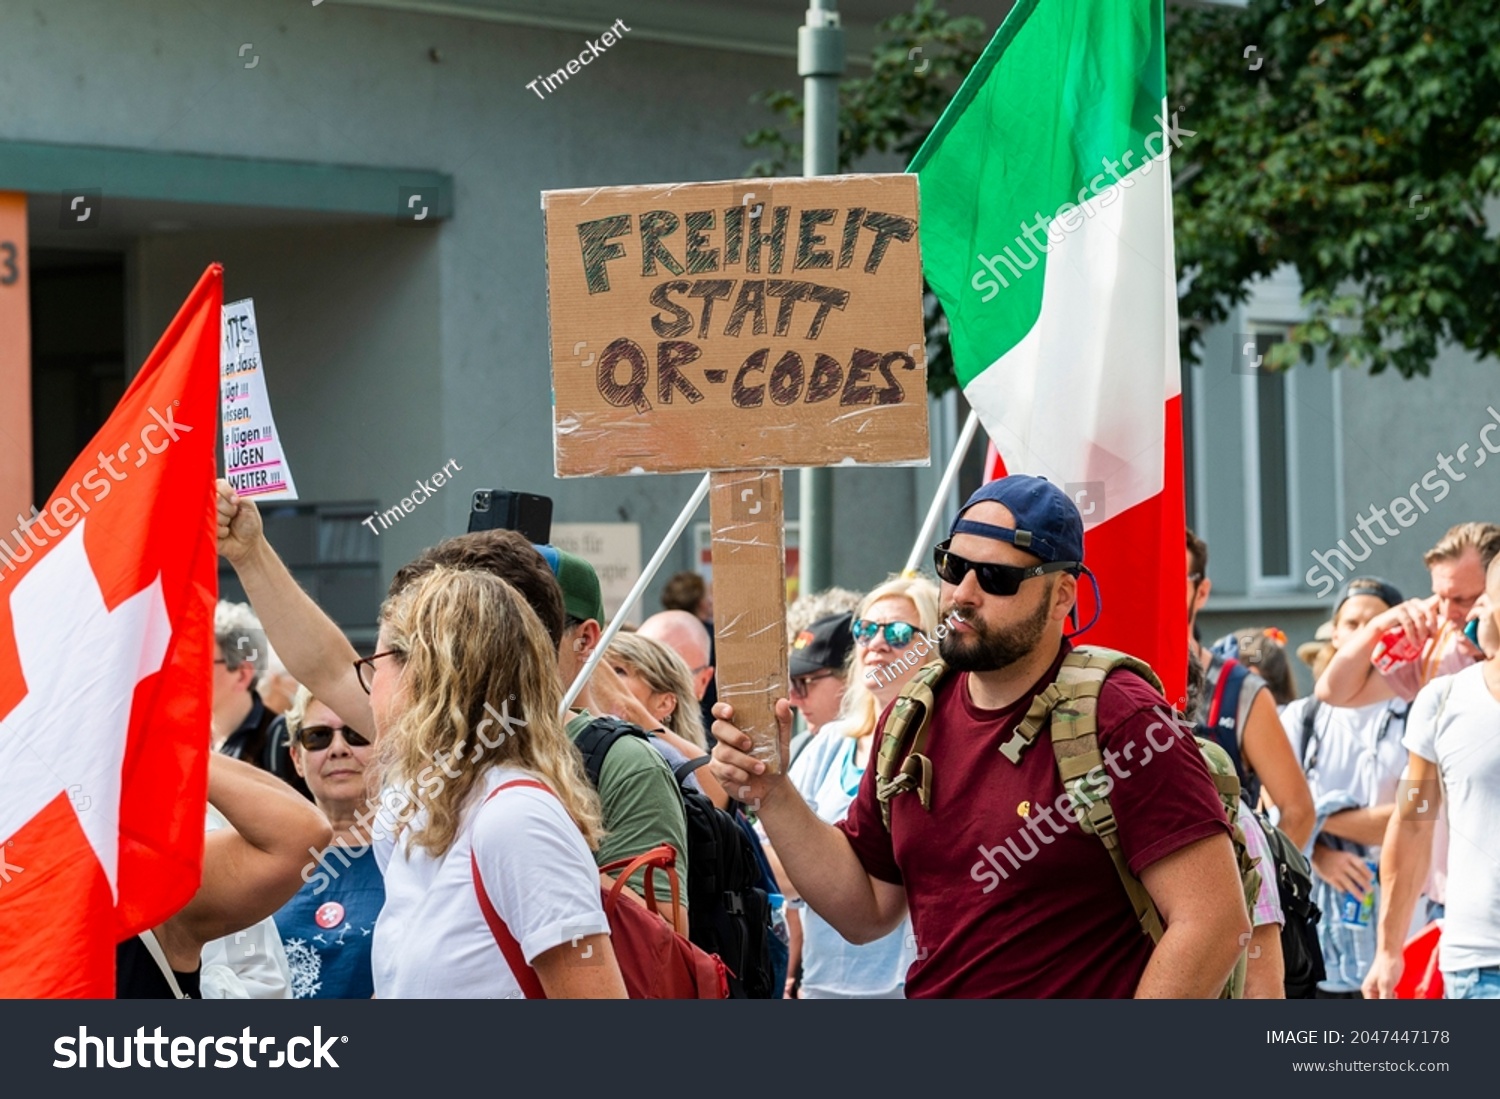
[736, 325]
[745, 512]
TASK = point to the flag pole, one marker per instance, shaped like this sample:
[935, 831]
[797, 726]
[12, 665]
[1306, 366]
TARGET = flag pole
[647, 575]
[945, 486]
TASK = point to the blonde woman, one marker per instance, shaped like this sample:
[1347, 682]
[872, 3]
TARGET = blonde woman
[654, 689]
[889, 627]
[454, 726]
[661, 682]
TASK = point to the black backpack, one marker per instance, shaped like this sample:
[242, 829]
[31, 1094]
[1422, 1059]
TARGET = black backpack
[1222, 723]
[1301, 955]
[729, 914]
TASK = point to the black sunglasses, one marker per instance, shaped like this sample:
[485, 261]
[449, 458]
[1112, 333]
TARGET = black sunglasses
[801, 684]
[317, 737]
[994, 579]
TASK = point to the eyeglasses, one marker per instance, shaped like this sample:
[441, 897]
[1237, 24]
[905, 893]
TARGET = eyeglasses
[994, 579]
[367, 665]
[802, 684]
[898, 635]
[317, 737]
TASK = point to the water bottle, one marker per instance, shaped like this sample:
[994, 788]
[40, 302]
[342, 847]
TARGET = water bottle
[778, 917]
[1359, 911]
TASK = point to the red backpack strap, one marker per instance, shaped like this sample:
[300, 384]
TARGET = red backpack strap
[1217, 704]
[525, 976]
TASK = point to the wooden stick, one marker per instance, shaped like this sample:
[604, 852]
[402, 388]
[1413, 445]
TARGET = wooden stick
[749, 559]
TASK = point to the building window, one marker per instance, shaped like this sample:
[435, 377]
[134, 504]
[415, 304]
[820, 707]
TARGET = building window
[1271, 498]
[332, 554]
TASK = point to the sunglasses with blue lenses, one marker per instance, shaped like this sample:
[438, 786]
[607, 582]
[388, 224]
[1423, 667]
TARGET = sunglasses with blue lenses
[994, 579]
[898, 635]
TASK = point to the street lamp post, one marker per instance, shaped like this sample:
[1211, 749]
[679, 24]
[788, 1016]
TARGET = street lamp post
[820, 63]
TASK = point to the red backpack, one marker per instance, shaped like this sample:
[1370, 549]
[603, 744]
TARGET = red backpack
[656, 962]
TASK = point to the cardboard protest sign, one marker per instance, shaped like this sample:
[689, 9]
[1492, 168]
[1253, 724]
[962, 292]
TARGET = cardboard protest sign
[741, 328]
[253, 462]
[737, 325]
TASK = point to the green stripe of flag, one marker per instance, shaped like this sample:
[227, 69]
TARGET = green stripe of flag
[1061, 93]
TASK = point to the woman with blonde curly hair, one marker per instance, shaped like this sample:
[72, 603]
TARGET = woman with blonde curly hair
[489, 795]
[891, 628]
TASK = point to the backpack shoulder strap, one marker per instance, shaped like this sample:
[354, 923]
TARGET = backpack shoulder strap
[900, 765]
[525, 976]
[1070, 706]
[1226, 700]
[1309, 730]
[598, 737]
[1395, 714]
[277, 738]
[159, 956]
[683, 771]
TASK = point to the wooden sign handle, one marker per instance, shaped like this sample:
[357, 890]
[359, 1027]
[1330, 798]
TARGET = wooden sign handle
[749, 558]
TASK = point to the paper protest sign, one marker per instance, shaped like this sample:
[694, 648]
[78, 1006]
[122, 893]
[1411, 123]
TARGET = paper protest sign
[253, 462]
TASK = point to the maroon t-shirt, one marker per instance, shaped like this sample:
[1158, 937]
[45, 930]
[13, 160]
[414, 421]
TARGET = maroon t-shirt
[1003, 907]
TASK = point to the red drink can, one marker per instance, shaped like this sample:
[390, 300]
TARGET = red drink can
[1394, 648]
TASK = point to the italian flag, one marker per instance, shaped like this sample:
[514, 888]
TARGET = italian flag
[1047, 235]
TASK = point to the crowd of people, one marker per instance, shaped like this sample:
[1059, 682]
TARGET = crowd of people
[970, 801]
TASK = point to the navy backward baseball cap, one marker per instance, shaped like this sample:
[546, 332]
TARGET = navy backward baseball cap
[1383, 590]
[1047, 521]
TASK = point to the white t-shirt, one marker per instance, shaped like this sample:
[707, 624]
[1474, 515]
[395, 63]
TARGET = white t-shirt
[1347, 757]
[1355, 749]
[1464, 742]
[432, 941]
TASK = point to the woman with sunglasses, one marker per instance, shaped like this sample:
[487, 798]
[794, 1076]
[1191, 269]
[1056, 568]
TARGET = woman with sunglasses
[327, 928]
[889, 629]
[495, 819]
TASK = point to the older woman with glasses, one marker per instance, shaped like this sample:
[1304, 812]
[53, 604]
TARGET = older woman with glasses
[889, 630]
[327, 928]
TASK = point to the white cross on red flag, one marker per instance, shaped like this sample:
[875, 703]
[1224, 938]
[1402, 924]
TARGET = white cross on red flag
[106, 650]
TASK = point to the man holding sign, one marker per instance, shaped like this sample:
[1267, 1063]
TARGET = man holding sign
[1008, 895]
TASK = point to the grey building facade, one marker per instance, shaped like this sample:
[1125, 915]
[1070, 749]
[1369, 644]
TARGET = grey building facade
[297, 142]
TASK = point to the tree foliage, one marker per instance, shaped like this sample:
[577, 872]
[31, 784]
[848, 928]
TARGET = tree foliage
[920, 58]
[1356, 141]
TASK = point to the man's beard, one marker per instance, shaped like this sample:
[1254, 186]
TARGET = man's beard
[992, 649]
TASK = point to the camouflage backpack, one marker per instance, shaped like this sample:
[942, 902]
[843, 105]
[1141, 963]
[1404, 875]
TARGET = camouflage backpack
[1068, 707]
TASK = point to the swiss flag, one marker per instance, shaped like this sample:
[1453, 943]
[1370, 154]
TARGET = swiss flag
[106, 639]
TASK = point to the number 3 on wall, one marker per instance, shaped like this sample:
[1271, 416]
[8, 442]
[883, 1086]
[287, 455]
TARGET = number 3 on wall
[9, 272]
